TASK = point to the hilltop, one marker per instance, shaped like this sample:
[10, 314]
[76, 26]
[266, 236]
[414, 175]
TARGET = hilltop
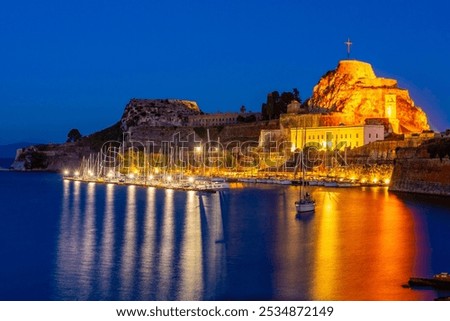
[353, 91]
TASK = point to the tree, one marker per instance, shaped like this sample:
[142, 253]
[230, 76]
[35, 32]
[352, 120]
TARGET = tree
[74, 135]
[297, 95]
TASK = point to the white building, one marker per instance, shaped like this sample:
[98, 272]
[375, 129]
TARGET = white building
[336, 137]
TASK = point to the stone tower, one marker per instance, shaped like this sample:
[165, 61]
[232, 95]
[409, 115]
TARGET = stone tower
[390, 111]
[293, 107]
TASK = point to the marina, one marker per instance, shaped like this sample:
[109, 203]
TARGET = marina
[128, 171]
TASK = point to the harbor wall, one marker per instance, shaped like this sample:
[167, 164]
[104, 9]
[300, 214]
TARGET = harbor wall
[416, 171]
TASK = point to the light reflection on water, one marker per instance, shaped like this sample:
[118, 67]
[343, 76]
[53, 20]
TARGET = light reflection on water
[146, 270]
[149, 247]
[132, 243]
[128, 255]
[88, 246]
[106, 260]
[191, 262]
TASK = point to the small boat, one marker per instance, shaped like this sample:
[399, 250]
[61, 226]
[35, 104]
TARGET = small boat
[347, 183]
[305, 204]
[219, 183]
[296, 182]
[441, 281]
[330, 183]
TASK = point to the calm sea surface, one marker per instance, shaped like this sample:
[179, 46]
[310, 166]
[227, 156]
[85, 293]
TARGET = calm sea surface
[62, 240]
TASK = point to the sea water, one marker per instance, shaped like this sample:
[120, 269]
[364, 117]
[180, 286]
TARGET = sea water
[65, 240]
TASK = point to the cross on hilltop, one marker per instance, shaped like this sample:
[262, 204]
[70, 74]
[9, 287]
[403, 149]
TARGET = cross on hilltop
[348, 43]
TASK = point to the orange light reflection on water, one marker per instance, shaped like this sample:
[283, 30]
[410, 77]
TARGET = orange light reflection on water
[365, 250]
[325, 273]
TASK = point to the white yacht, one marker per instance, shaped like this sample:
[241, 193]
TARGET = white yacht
[219, 183]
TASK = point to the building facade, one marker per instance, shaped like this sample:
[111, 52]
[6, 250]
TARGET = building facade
[336, 137]
[219, 119]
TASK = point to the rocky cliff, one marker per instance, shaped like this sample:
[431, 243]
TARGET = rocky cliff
[354, 91]
[424, 169]
[158, 112]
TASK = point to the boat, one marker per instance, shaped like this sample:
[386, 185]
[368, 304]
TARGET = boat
[441, 281]
[305, 204]
[219, 183]
[347, 183]
[330, 183]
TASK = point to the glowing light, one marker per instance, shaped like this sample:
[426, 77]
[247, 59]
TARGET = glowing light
[375, 180]
[90, 173]
[150, 177]
[198, 149]
[191, 179]
[169, 178]
[389, 112]
[110, 174]
[66, 172]
[131, 176]
[387, 181]
[77, 173]
[156, 170]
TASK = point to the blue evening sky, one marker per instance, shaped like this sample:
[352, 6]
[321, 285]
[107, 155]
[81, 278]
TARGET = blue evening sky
[66, 64]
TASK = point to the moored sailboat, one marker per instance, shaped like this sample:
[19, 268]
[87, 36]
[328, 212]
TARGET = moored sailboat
[305, 204]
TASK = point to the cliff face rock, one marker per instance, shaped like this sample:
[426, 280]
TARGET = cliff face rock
[354, 90]
[417, 171]
[158, 112]
[52, 157]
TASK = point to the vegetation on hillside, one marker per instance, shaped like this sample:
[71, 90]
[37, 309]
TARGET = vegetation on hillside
[276, 103]
[96, 140]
